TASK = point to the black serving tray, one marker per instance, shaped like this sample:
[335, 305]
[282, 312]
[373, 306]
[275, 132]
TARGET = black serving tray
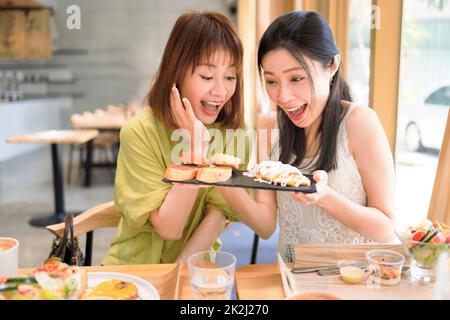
[238, 180]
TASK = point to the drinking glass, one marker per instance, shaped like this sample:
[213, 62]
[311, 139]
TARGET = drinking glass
[212, 274]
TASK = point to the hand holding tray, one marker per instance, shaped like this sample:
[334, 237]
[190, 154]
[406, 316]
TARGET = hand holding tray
[238, 180]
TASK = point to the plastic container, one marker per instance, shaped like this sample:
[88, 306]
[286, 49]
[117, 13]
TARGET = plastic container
[385, 266]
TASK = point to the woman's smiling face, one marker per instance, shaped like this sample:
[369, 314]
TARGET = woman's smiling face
[289, 86]
[210, 86]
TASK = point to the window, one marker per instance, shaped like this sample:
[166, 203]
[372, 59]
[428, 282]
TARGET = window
[359, 50]
[424, 89]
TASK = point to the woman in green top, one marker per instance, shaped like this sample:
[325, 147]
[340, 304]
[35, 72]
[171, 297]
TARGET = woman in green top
[160, 222]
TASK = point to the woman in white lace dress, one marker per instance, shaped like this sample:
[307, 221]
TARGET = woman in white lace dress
[321, 132]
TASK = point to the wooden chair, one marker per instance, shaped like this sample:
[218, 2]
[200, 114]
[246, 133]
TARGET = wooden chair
[106, 145]
[102, 216]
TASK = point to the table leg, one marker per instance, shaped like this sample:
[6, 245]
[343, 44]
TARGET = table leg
[88, 163]
[254, 249]
[58, 189]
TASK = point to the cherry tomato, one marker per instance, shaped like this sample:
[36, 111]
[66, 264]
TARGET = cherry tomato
[418, 235]
[447, 240]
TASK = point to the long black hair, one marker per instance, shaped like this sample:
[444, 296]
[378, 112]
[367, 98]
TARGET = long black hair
[307, 34]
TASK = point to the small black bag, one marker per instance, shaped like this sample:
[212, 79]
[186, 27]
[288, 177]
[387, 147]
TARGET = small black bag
[67, 248]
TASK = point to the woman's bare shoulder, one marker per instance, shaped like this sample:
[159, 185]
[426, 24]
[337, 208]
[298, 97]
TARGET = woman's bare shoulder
[362, 126]
[360, 118]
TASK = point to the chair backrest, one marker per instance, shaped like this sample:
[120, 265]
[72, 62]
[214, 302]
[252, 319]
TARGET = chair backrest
[101, 216]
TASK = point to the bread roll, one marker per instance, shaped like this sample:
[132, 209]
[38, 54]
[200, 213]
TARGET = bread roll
[190, 158]
[222, 159]
[180, 172]
[214, 174]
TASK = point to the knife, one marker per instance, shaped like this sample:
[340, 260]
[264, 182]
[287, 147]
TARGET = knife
[312, 269]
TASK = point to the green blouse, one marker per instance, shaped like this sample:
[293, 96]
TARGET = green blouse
[145, 153]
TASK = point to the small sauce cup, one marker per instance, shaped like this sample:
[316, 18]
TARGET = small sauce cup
[385, 266]
[351, 271]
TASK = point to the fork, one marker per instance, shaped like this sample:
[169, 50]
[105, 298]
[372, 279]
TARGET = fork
[290, 254]
[333, 272]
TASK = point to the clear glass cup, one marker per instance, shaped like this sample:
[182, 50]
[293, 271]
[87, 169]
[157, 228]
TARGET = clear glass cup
[385, 266]
[212, 274]
[424, 257]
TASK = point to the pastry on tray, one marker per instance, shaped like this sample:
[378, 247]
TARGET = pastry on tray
[214, 170]
[214, 174]
[191, 158]
[181, 172]
[278, 173]
[219, 159]
[222, 159]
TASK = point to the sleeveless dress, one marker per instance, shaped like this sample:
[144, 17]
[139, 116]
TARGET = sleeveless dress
[300, 223]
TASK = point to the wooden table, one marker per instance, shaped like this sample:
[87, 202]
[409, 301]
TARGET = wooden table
[253, 282]
[259, 282]
[263, 282]
[55, 137]
[153, 273]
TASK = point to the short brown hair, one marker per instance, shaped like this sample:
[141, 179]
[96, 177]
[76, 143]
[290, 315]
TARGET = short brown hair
[194, 37]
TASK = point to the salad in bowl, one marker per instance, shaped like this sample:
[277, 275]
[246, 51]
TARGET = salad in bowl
[425, 241]
[55, 280]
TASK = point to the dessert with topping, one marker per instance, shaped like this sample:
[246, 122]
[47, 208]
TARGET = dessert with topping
[278, 173]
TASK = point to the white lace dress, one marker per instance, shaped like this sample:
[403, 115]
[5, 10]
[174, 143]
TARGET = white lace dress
[299, 223]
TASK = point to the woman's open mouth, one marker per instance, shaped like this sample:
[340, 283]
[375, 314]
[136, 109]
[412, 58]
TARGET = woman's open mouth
[297, 113]
[211, 108]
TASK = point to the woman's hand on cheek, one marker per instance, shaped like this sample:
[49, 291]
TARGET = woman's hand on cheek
[185, 118]
[321, 179]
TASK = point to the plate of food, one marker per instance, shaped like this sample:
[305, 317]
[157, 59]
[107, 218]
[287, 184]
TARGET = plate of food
[118, 286]
[56, 280]
[222, 170]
